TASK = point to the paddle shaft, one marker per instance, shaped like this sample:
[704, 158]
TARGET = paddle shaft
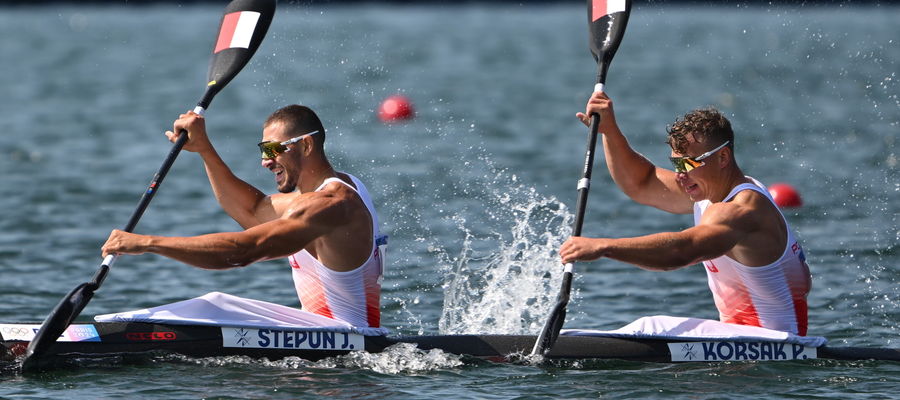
[584, 185]
[155, 183]
[554, 324]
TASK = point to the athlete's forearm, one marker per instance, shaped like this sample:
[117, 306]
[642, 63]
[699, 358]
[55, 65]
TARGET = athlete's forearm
[658, 252]
[671, 250]
[213, 251]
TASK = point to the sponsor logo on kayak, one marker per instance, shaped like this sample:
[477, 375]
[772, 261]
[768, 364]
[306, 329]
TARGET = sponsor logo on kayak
[740, 351]
[291, 339]
[26, 332]
[150, 336]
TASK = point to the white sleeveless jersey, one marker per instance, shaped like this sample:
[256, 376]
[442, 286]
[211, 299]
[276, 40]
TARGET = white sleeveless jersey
[771, 296]
[353, 296]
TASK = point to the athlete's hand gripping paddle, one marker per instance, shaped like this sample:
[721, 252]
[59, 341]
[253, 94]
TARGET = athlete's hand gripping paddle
[242, 29]
[606, 21]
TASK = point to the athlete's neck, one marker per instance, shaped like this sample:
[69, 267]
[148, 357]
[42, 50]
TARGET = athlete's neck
[733, 178]
[314, 173]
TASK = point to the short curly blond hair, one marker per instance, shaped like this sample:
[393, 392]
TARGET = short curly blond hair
[704, 125]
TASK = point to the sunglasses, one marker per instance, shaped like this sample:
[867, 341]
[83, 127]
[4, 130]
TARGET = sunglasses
[271, 149]
[687, 164]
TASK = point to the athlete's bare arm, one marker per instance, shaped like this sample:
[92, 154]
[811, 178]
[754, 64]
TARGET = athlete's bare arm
[244, 203]
[311, 218]
[724, 225]
[638, 178]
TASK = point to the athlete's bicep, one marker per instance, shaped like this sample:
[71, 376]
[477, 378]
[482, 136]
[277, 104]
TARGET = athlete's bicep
[711, 240]
[281, 237]
[721, 228]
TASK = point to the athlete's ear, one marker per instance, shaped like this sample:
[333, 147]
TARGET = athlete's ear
[308, 145]
[725, 157]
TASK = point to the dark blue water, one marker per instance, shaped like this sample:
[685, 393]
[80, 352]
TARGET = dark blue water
[476, 192]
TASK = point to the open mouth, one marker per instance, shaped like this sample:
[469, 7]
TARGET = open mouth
[279, 175]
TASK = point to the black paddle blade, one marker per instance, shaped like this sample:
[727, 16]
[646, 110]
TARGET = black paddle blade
[557, 318]
[606, 21]
[55, 324]
[241, 31]
[551, 330]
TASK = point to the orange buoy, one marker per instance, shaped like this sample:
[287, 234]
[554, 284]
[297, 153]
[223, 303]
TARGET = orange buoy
[395, 108]
[785, 195]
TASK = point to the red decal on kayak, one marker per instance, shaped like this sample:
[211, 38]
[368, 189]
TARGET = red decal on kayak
[18, 349]
[150, 336]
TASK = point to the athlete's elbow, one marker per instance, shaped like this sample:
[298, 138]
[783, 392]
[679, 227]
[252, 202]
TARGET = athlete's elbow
[248, 254]
[243, 254]
[240, 262]
[664, 266]
[636, 184]
[632, 189]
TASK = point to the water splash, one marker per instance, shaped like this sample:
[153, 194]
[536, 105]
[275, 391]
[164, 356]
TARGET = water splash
[399, 359]
[505, 279]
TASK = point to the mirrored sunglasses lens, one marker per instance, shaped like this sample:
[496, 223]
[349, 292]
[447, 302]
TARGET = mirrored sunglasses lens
[679, 164]
[684, 164]
[689, 164]
[270, 149]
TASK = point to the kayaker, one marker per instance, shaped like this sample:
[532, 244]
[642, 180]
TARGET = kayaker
[322, 220]
[756, 269]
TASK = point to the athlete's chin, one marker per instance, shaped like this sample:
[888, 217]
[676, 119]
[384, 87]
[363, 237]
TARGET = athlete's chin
[284, 183]
[696, 197]
[693, 192]
[286, 188]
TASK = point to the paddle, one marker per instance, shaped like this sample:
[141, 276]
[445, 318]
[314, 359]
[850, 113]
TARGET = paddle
[242, 29]
[607, 20]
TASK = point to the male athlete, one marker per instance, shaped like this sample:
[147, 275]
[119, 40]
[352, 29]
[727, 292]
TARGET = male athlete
[323, 221]
[755, 266]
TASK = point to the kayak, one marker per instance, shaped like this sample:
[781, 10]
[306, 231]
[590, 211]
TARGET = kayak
[104, 339]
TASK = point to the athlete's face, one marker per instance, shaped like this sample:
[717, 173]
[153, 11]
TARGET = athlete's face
[287, 165]
[696, 183]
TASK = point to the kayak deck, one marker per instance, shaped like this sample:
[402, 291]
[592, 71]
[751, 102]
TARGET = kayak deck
[111, 338]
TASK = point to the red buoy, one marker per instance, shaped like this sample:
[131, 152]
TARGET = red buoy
[785, 195]
[395, 108]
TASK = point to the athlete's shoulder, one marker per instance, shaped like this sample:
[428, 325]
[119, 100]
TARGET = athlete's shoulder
[742, 209]
[333, 203]
[753, 201]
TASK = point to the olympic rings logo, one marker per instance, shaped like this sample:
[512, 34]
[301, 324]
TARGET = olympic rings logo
[16, 331]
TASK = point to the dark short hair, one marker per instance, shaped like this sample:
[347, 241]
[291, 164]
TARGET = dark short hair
[706, 125]
[298, 120]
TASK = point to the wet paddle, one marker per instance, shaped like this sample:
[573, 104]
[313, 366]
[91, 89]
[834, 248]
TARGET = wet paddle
[242, 29]
[607, 20]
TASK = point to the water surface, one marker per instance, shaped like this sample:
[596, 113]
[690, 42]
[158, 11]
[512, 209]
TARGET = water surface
[476, 192]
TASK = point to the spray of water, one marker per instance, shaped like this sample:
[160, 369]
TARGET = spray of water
[399, 359]
[504, 279]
